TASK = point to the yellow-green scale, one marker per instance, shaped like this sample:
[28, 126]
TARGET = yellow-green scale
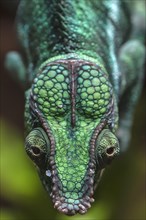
[72, 153]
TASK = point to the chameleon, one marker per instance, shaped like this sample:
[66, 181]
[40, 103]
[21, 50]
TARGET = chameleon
[82, 70]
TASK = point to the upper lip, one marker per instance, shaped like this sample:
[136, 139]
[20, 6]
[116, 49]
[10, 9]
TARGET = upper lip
[73, 208]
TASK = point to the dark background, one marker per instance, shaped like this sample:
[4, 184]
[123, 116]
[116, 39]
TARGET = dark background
[121, 193]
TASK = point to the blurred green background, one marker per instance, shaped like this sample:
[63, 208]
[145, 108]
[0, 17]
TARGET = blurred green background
[121, 194]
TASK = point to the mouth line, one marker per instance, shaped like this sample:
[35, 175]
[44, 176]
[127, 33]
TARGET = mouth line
[69, 205]
[72, 205]
[71, 208]
[80, 205]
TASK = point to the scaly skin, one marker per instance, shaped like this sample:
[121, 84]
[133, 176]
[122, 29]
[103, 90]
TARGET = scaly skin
[78, 65]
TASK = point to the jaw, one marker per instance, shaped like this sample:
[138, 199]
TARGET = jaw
[78, 202]
[74, 204]
[81, 204]
[72, 207]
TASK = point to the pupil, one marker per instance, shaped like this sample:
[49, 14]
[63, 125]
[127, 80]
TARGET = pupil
[110, 150]
[36, 150]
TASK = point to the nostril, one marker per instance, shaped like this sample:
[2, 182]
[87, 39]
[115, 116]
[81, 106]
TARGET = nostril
[110, 151]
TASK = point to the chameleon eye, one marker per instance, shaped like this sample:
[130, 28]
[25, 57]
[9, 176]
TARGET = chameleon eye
[36, 151]
[110, 151]
[37, 146]
[107, 147]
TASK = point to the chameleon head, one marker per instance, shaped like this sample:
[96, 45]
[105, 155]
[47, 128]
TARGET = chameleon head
[71, 119]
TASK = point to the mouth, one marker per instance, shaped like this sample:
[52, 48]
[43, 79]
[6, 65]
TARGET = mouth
[73, 206]
[77, 202]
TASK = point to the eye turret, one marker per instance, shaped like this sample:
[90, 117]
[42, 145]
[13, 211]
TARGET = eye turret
[37, 146]
[107, 147]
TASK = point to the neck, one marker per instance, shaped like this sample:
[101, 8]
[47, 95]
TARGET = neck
[60, 27]
[56, 28]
